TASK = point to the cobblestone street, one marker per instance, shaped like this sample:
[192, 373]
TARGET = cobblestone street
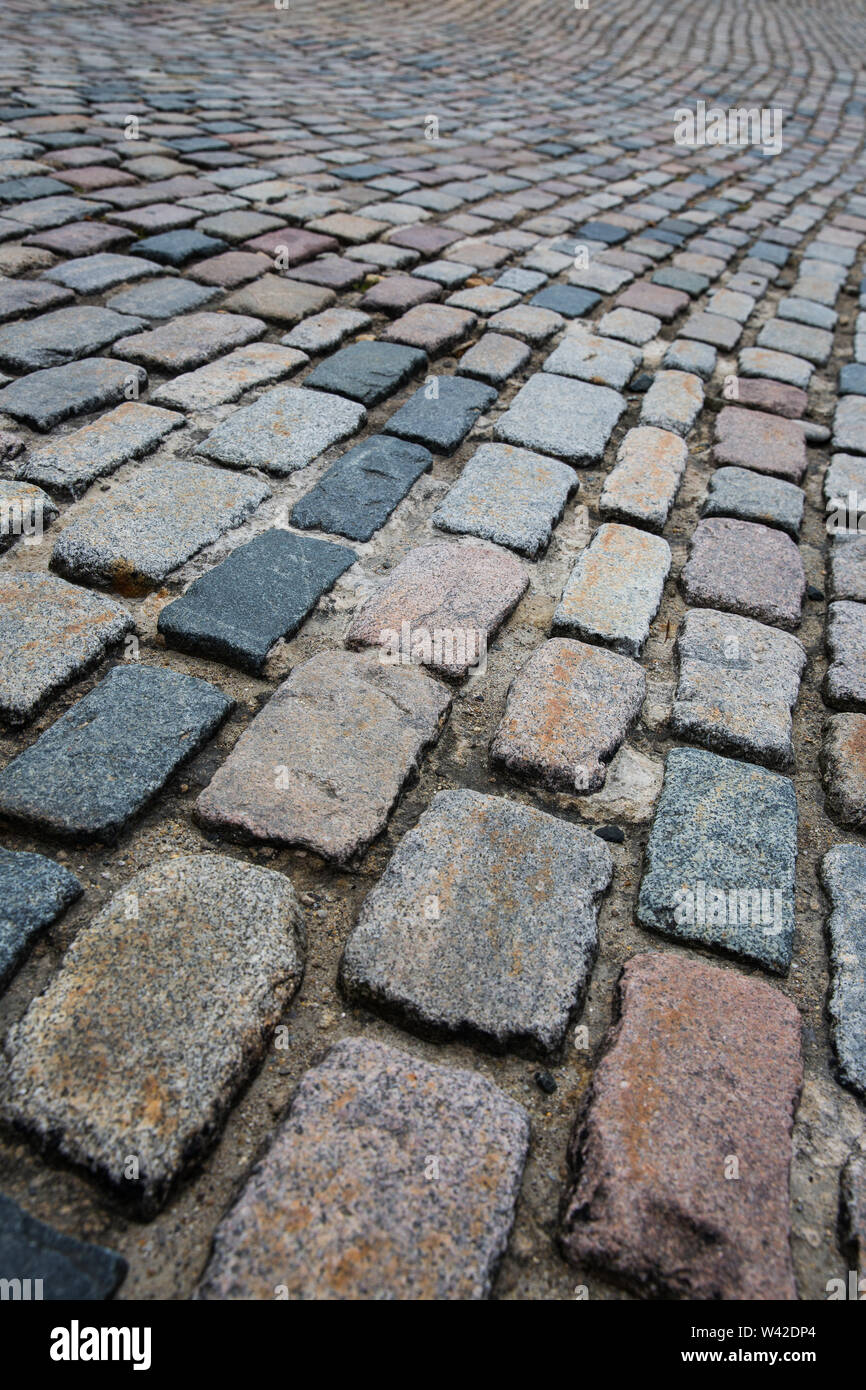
[433, 649]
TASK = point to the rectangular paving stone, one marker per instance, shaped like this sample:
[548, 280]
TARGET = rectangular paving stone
[442, 422]
[773, 396]
[780, 366]
[741, 567]
[190, 340]
[285, 429]
[73, 461]
[650, 1203]
[34, 891]
[53, 339]
[843, 874]
[556, 415]
[723, 828]
[750, 496]
[432, 327]
[44, 398]
[359, 492]
[614, 591]
[782, 335]
[673, 402]
[761, 441]
[395, 294]
[79, 238]
[324, 762]
[686, 355]
[847, 562]
[494, 359]
[568, 710]
[367, 372]
[161, 298]
[849, 424]
[738, 684]
[629, 325]
[132, 538]
[504, 958]
[507, 495]
[339, 1207]
[275, 297]
[179, 247]
[64, 1267]
[844, 768]
[94, 274]
[845, 681]
[715, 329]
[440, 606]
[99, 1065]
[265, 590]
[109, 755]
[292, 245]
[217, 383]
[523, 321]
[661, 301]
[327, 330]
[601, 361]
[644, 483]
[569, 301]
[19, 298]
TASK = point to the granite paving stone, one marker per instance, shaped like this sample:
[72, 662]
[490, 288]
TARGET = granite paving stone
[339, 1207]
[845, 681]
[358, 493]
[557, 415]
[94, 274]
[630, 325]
[53, 339]
[109, 755]
[719, 1054]
[567, 712]
[750, 496]
[63, 1268]
[843, 874]
[45, 398]
[483, 926]
[161, 298]
[73, 461]
[323, 764]
[847, 563]
[99, 1064]
[720, 860]
[773, 396]
[849, 424]
[761, 441]
[843, 763]
[615, 589]
[507, 495]
[673, 402]
[782, 366]
[783, 335]
[327, 330]
[230, 269]
[686, 355]
[275, 297]
[25, 512]
[662, 302]
[741, 567]
[178, 248]
[440, 420]
[34, 891]
[264, 591]
[432, 327]
[189, 341]
[217, 383]
[523, 321]
[641, 488]
[601, 361]
[368, 371]
[285, 429]
[568, 301]
[494, 359]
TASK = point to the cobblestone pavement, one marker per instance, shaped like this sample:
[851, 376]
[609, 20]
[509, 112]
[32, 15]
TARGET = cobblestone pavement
[433, 645]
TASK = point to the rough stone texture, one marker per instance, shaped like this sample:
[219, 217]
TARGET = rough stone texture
[33, 891]
[673, 402]
[285, 429]
[849, 424]
[853, 1211]
[774, 396]
[601, 361]
[556, 415]
[360, 491]
[99, 1067]
[44, 398]
[71, 463]
[93, 274]
[779, 365]
[50, 632]
[753, 439]
[130, 540]
[847, 564]
[189, 341]
[162, 298]
[715, 329]
[686, 355]
[749, 496]
[630, 325]
[327, 330]
[483, 925]
[722, 827]
[525, 321]
[52, 340]
[440, 606]
[614, 590]
[738, 684]
[783, 335]
[217, 383]
[703, 1064]
[568, 710]
[265, 590]
[443, 420]
[494, 358]
[340, 1208]
[432, 327]
[649, 469]
[25, 511]
[845, 681]
[68, 1269]
[367, 372]
[843, 761]
[663, 303]
[275, 297]
[21, 297]
[741, 567]
[508, 495]
[843, 873]
[323, 763]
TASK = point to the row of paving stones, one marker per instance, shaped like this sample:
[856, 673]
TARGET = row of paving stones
[325, 760]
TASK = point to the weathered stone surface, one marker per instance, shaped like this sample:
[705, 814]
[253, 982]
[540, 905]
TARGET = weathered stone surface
[66, 1268]
[275, 297]
[847, 473]
[103, 760]
[774, 396]
[440, 605]
[664, 303]
[327, 330]
[397, 294]
[190, 340]
[741, 567]
[783, 335]
[340, 1207]
[754, 439]
[323, 763]
[849, 424]
[508, 495]
[525, 321]
[761, 361]
[673, 402]
[494, 358]
[847, 560]
[630, 791]
[843, 874]
[265, 590]
[51, 340]
[99, 1067]
[25, 511]
[568, 710]
[614, 590]
[721, 857]
[845, 681]
[442, 421]
[483, 925]
[853, 1210]
[749, 496]
[367, 372]
[33, 891]
[144, 529]
[686, 355]
[843, 761]
[161, 298]
[567, 300]
[738, 685]
[50, 633]
[21, 297]
[715, 329]
[46, 397]
[94, 274]
[556, 415]
[432, 327]
[642, 487]
[360, 491]
[283, 430]
[72, 462]
[703, 1065]
[630, 325]
[229, 377]
[601, 361]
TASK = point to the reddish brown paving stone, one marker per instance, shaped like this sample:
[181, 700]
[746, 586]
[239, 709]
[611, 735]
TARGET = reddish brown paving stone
[682, 1157]
[754, 439]
[231, 269]
[80, 238]
[843, 762]
[292, 245]
[323, 763]
[741, 567]
[440, 606]
[774, 396]
[649, 468]
[653, 299]
[568, 710]
[94, 176]
[396, 293]
[333, 272]
[427, 240]
[432, 327]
